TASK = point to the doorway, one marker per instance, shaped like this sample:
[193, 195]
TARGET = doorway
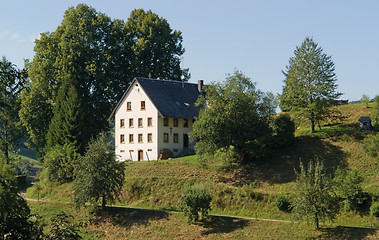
[140, 155]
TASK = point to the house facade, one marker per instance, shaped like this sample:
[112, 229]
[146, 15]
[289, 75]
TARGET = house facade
[154, 115]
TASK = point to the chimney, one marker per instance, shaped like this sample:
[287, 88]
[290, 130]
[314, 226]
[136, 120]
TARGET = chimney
[200, 85]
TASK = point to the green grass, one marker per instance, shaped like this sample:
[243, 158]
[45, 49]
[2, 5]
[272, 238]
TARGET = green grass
[250, 190]
[127, 223]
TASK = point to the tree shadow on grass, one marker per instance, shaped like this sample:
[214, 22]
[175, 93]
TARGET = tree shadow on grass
[346, 233]
[279, 165]
[223, 225]
[127, 217]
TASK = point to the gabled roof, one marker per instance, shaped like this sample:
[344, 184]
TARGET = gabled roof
[173, 99]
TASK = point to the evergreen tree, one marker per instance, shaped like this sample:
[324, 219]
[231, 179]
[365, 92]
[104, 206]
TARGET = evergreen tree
[67, 123]
[310, 84]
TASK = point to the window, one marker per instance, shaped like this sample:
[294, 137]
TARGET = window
[121, 151]
[165, 122]
[140, 122]
[176, 138]
[129, 106]
[131, 122]
[149, 137]
[142, 105]
[140, 138]
[122, 123]
[185, 124]
[131, 138]
[165, 137]
[122, 138]
[149, 122]
[176, 122]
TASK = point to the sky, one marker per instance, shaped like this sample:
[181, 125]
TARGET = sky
[219, 36]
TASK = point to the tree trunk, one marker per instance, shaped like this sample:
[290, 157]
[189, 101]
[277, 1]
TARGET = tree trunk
[317, 221]
[103, 203]
[5, 144]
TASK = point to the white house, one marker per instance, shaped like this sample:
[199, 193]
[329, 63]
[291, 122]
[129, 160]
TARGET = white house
[154, 115]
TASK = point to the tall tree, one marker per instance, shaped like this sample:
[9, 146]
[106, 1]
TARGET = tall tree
[236, 116]
[315, 199]
[156, 47]
[67, 123]
[98, 175]
[99, 57]
[310, 84]
[12, 81]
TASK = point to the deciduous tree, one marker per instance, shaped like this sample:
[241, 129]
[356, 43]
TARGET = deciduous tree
[12, 81]
[98, 57]
[315, 199]
[310, 84]
[98, 176]
[234, 114]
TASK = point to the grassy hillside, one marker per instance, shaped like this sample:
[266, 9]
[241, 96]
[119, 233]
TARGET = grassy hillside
[248, 190]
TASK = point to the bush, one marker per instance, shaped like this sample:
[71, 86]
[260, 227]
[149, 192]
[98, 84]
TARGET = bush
[374, 209]
[59, 163]
[283, 203]
[284, 129]
[194, 200]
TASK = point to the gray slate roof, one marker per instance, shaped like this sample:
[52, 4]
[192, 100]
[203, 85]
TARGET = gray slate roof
[173, 99]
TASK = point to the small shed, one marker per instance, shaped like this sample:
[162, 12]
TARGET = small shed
[365, 123]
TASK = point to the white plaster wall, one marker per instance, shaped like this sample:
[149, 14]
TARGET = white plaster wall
[127, 151]
[176, 148]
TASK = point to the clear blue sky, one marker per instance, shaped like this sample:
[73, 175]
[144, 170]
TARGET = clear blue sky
[257, 37]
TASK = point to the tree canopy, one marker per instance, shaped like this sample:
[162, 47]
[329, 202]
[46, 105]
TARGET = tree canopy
[98, 176]
[234, 114]
[12, 81]
[97, 57]
[315, 198]
[310, 84]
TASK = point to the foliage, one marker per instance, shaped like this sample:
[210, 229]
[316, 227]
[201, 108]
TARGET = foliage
[283, 203]
[310, 84]
[59, 163]
[348, 188]
[284, 129]
[375, 114]
[15, 214]
[63, 228]
[315, 199]
[67, 123]
[236, 115]
[97, 57]
[12, 81]
[365, 99]
[98, 175]
[370, 145]
[374, 209]
[195, 202]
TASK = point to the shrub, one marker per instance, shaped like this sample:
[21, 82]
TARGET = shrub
[194, 200]
[374, 209]
[283, 203]
[284, 129]
[59, 163]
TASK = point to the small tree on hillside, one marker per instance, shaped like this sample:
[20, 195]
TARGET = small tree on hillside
[365, 99]
[98, 176]
[315, 199]
[375, 114]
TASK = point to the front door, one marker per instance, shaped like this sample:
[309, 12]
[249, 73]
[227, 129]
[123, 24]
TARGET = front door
[140, 155]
